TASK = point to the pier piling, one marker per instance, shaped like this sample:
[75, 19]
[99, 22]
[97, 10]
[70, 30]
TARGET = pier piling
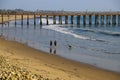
[34, 19]
[27, 19]
[96, 19]
[66, 19]
[47, 22]
[78, 20]
[60, 19]
[90, 19]
[84, 20]
[72, 19]
[2, 18]
[108, 18]
[21, 19]
[102, 19]
[118, 19]
[8, 18]
[15, 20]
[54, 19]
[40, 19]
[113, 19]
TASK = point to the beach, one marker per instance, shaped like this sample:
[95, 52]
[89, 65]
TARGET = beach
[50, 66]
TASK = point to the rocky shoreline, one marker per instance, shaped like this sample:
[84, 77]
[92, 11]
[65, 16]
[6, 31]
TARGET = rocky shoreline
[11, 72]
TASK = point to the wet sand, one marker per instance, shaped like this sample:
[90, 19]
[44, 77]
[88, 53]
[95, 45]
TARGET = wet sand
[51, 66]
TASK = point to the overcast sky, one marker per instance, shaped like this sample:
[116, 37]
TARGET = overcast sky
[69, 5]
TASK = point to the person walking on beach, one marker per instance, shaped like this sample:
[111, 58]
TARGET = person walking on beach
[55, 46]
[50, 46]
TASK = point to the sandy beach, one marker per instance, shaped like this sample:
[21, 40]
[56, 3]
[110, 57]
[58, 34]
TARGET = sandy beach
[49, 66]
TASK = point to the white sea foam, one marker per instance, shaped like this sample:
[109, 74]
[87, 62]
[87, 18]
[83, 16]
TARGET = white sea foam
[107, 32]
[65, 31]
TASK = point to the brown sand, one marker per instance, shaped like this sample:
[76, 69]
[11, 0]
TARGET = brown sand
[51, 66]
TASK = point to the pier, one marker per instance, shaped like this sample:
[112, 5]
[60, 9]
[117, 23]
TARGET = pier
[82, 18]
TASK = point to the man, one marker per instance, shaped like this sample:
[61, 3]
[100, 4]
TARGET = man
[55, 45]
[50, 46]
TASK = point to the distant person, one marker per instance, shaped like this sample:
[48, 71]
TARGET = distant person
[55, 46]
[50, 43]
[50, 46]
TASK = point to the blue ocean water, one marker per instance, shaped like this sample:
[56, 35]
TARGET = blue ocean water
[96, 45]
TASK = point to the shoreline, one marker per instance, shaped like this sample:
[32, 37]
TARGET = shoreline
[52, 66]
[44, 52]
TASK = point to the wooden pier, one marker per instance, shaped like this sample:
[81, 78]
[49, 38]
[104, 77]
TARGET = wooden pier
[87, 18]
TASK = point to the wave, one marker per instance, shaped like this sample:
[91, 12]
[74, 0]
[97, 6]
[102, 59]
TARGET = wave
[110, 33]
[65, 31]
[69, 32]
[105, 32]
[111, 52]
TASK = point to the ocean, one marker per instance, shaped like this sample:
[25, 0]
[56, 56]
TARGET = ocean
[97, 45]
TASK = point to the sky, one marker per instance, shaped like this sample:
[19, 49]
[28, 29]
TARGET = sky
[66, 5]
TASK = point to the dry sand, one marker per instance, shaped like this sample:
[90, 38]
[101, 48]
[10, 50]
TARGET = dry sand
[51, 66]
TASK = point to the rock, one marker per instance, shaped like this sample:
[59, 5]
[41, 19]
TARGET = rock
[10, 72]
